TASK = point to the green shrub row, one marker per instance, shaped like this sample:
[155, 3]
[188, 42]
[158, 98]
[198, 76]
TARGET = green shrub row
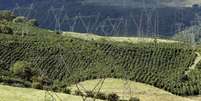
[103, 96]
[71, 60]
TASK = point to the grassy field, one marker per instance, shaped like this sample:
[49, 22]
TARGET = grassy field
[196, 98]
[126, 89]
[8, 93]
[143, 91]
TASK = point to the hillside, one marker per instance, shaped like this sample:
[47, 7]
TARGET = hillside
[42, 59]
[76, 60]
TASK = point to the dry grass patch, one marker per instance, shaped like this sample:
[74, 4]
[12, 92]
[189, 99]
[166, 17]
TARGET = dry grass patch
[126, 89]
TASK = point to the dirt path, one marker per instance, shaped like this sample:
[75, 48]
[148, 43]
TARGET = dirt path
[197, 60]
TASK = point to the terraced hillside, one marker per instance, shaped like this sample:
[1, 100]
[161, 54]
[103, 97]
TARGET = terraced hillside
[69, 60]
[72, 60]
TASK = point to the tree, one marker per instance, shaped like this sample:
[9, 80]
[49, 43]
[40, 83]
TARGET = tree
[113, 97]
[20, 19]
[6, 15]
[41, 82]
[89, 93]
[5, 29]
[22, 69]
[184, 77]
[195, 7]
[33, 22]
[101, 95]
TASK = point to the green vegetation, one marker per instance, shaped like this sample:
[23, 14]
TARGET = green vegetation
[60, 61]
[5, 29]
[79, 93]
[97, 95]
[19, 67]
[20, 19]
[63, 59]
[33, 22]
[89, 94]
[6, 15]
[113, 97]
[134, 99]
[101, 95]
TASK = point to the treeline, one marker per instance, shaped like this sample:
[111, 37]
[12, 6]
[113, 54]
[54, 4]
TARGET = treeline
[9, 23]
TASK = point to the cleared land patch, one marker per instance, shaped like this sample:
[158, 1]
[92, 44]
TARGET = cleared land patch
[143, 91]
[88, 36]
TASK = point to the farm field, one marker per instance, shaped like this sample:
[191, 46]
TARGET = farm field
[151, 69]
